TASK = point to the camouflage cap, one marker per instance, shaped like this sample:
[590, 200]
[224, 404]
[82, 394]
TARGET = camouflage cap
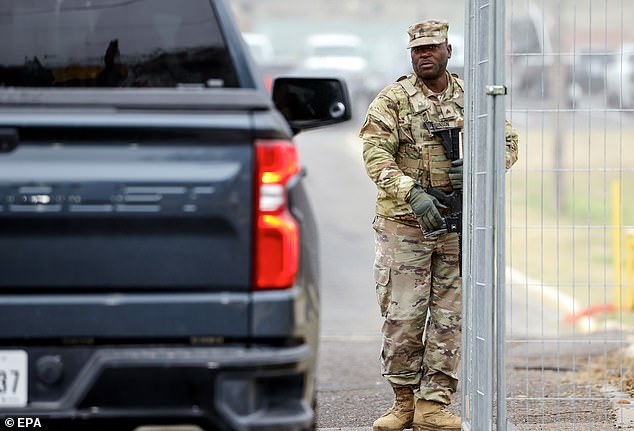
[430, 32]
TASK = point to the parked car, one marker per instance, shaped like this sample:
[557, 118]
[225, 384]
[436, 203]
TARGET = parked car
[159, 252]
[620, 78]
[269, 64]
[530, 51]
[334, 51]
[260, 46]
[586, 75]
[589, 70]
[341, 55]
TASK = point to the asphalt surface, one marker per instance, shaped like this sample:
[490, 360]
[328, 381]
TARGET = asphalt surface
[549, 378]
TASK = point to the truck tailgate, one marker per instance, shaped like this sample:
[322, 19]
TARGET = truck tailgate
[128, 207]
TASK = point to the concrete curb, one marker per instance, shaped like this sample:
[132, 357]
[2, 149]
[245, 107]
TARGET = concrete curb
[551, 296]
[623, 407]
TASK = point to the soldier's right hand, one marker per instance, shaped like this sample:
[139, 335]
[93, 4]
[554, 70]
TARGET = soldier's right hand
[426, 207]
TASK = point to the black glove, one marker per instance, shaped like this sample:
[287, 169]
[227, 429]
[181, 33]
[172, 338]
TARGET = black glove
[425, 206]
[455, 174]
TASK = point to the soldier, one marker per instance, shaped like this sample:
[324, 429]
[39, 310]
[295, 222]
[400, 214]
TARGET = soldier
[417, 276]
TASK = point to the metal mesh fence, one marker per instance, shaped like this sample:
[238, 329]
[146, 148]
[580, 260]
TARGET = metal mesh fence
[568, 300]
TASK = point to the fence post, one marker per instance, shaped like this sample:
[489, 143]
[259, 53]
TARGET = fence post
[483, 218]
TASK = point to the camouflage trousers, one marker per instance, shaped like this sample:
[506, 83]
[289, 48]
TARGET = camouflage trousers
[415, 278]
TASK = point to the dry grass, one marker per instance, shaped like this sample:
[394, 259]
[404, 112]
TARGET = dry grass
[569, 244]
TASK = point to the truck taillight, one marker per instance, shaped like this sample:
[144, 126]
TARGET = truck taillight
[276, 239]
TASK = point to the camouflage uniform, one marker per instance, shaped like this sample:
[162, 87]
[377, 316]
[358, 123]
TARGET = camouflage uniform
[416, 275]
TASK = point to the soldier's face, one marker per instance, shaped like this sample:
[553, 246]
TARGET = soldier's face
[430, 61]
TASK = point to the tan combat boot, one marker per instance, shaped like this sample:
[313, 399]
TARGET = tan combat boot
[433, 416]
[401, 414]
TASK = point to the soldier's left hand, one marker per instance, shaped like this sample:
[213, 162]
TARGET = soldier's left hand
[455, 174]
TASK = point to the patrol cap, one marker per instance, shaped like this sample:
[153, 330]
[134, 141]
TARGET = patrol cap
[429, 32]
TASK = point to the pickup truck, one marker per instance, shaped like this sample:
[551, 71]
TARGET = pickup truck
[159, 253]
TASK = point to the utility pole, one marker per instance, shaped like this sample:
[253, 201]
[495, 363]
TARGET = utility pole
[557, 88]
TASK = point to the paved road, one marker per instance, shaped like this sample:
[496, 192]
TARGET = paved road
[350, 387]
[351, 392]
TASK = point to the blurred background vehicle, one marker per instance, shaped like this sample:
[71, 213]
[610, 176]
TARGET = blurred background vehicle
[620, 78]
[341, 55]
[589, 70]
[530, 53]
[260, 46]
[268, 62]
[587, 73]
[335, 51]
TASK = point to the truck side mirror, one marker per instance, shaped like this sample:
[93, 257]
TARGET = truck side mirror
[307, 103]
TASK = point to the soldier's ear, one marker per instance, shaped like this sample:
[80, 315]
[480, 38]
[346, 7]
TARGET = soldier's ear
[448, 50]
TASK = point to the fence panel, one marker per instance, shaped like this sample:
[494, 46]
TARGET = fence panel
[565, 306]
[569, 69]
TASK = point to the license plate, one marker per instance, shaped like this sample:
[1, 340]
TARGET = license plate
[13, 378]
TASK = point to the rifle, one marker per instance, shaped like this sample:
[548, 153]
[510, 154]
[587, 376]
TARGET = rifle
[450, 137]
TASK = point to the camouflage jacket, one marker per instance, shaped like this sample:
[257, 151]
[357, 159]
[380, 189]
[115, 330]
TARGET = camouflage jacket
[399, 151]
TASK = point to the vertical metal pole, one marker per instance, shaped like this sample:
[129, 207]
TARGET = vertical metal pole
[489, 214]
[499, 170]
[478, 219]
[483, 219]
[467, 363]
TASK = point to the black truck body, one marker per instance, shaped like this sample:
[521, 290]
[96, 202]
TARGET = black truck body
[159, 253]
